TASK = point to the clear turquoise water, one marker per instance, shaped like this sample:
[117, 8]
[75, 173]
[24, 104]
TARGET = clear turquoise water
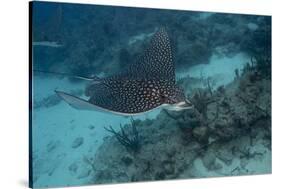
[88, 39]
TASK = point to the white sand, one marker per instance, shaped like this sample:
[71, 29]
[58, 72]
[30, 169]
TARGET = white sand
[220, 68]
[60, 125]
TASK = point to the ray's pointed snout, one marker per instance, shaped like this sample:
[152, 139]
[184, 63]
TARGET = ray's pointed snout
[185, 105]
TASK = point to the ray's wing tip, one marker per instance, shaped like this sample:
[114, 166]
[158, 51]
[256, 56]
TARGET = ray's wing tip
[65, 96]
[74, 101]
[162, 29]
[60, 93]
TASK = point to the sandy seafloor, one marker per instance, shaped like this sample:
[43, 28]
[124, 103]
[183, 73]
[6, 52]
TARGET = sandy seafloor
[55, 128]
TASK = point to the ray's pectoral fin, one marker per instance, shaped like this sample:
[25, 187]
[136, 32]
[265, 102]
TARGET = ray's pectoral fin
[81, 104]
[76, 102]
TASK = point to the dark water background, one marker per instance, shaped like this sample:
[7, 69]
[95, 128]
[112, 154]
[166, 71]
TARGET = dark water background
[95, 38]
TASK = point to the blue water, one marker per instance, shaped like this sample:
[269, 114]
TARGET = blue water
[102, 40]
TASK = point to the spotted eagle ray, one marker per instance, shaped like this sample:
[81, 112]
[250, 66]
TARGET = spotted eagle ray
[146, 84]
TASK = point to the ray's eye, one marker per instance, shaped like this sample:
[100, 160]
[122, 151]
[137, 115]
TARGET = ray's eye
[163, 98]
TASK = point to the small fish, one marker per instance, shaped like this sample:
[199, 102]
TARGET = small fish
[47, 44]
[147, 84]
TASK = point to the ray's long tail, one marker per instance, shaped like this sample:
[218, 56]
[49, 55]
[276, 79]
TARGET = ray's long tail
[92, 78]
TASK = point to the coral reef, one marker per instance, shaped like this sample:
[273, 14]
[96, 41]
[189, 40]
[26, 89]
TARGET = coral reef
[130, 141]
[229, 129]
